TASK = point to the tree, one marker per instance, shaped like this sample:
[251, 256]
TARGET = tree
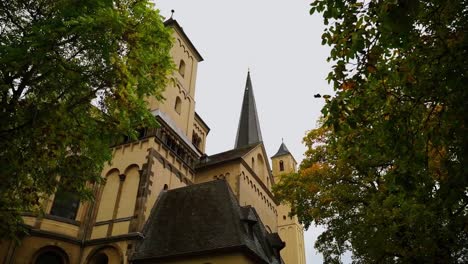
[73, 79]
[385, 172]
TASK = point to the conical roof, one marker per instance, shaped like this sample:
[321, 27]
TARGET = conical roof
[283, 150]
[248, 131]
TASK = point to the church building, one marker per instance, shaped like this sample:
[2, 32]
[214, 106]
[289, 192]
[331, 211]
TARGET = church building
[165, 200]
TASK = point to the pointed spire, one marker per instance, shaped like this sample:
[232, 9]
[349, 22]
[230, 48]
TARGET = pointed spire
[283, 150]
[248, 131]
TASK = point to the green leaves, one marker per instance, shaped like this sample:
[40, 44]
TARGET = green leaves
[392, 187]
[74, 76]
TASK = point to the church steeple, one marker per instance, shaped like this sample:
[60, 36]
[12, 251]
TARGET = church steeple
[248, 131]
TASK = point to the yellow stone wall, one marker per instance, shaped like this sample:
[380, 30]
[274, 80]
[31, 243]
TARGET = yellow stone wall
[251, 193]
[227, 171]
[182, 87]
[258, 163]
[117, 196]
[129, 159]
[292, 235]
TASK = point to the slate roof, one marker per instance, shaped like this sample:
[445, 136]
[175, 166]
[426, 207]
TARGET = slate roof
[225, 156]
[283, 150]
[205, 219]
[248, 131]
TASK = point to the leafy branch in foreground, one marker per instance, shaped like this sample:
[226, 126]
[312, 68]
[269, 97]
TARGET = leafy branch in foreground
[73, 78]
[385, 172]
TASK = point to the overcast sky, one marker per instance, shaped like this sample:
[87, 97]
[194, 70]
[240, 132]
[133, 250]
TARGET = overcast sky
[281, 44]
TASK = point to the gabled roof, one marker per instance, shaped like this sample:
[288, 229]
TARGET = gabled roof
[283, 150]
[248, 131]
[225, 156]
[204, 219]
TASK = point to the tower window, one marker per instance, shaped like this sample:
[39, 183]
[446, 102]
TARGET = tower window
[182, 68]
[178, 105]
[281, 165]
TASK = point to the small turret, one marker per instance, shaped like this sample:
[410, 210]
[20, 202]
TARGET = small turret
[289, 228]
[283, 161]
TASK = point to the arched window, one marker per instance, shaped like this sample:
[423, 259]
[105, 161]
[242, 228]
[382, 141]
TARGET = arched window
[253, 163]
[260, 167]
[100, 258]
[65, 204]
[182, 68]
[178, 105]
[165, 187]
[51, 255]
[281, 165]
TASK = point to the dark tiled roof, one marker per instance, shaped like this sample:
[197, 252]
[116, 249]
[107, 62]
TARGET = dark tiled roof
[225, 156]
[205, 218]
[248, 131]
[283, 150]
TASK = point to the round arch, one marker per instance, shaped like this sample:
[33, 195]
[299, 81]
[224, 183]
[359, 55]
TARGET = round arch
[50, 255]
[260, 167]
[131, 166]
[111, 171]
[99, 255]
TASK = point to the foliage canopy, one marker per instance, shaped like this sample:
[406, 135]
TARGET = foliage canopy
[385, 172]
[73, 78]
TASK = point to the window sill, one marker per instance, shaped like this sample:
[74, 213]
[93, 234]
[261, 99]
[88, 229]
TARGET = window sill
[62, 219]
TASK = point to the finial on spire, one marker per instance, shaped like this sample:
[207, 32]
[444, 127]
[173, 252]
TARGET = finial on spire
[172, 12]
[283, 150]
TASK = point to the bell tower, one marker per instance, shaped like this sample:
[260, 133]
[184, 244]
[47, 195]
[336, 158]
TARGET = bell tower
[289, 228]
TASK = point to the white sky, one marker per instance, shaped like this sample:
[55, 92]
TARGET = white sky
[281, 44]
